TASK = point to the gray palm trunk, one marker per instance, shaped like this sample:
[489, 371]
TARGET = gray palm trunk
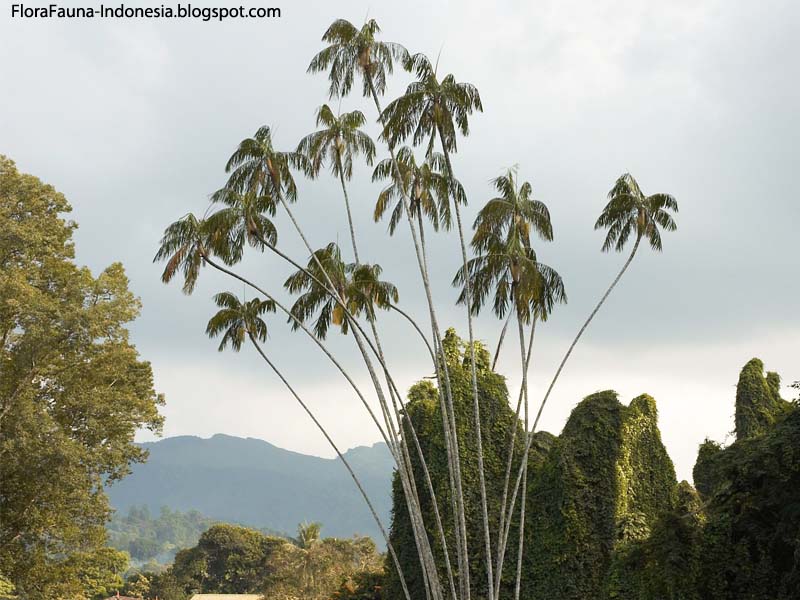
[347, 206]
[333, 445]
[521, 541]
[446, 401]
[319, 343]
[432, 585]
[395, 397]
[529, 436]
[500, 342]
[505, 525]
[476, 400]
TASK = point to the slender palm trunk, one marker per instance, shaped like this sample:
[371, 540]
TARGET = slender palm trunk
[520, 548]
[395, 395]
[446, 399]
[347, 207]
[529, 440]
[505, 524]
[425, 552]
[500, 341]
[433, 586]
[476, 401]
[344, 462]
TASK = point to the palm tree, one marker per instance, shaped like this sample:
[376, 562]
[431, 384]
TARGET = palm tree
[237, 321]
[358, 287]
[338, 142]
[426, 185]
[243, 220]
[512, 205]
[184, 246]
[257, 167]
[352, 51]
[428, 109]
[628, 211]
[507, 265]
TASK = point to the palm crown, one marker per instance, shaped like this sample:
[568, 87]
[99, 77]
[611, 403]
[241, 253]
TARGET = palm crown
[351, 51]
[511, 215]
[630, 211]
[243, 219]
[516, 276]
[430, 106]
[237, 320]
[257, 167]
[427, 186]
[506, 262]
[184, 246]
[358, 287]
[339, 140]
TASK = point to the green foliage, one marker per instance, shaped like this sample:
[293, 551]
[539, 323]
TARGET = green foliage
[497, 423]
[602, 486]
[314, 568]
[72, 394]
[228, 559]
[365, 585]
[705, 470]
[146, 538]
[750, 544]
[758, 402]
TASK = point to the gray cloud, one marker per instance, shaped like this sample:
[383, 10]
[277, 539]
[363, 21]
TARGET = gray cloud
[134, 121]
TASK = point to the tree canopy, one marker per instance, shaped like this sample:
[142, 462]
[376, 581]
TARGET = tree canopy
[73, 391]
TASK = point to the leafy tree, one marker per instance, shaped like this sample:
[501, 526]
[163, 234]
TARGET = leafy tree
[73, 392]
[313, 568]
[228, 559]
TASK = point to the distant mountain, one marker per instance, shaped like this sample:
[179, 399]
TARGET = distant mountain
[253, 482]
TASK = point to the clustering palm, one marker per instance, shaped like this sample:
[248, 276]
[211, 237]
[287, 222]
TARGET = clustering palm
[357, 287]
[506, 266]
[628, 212]
[505, 270]
[184, 245]
[431, 108]
[337, 143]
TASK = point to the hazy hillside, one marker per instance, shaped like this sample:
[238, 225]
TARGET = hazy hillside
[254, 482]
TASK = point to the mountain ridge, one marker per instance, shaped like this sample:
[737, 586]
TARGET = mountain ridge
[254, 482]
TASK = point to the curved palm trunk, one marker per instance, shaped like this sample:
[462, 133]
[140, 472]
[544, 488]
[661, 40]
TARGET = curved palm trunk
[476, 401]
[344, 462]
[425, 552]
[433, 586]
[500, 341]
[395, 394]
[347, 208]
[446, 399]
[529, 440]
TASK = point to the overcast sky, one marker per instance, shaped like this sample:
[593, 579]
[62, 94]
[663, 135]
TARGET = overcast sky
[134, 121]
